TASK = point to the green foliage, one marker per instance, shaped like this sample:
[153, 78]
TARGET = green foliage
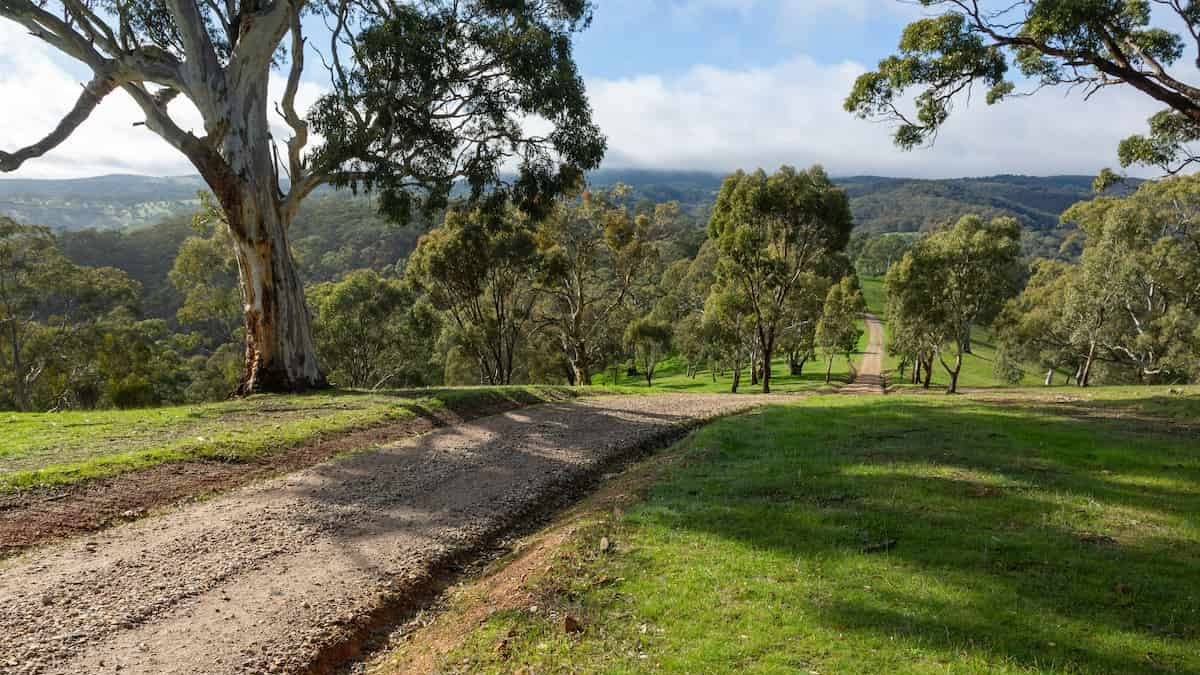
[205, 274]
[769, 230]
[595, 251]
[952, 279]
[649, 340]
[1137, 292]
[48, 308]
[1086, 44]
[373, 331]
[438, 91]
[479, 266]
[878, 253]
[837, 331]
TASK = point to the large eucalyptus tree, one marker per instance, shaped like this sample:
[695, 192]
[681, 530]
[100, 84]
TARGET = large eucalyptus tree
[421, 93]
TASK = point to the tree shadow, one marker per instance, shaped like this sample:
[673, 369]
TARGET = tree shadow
[1038, 522]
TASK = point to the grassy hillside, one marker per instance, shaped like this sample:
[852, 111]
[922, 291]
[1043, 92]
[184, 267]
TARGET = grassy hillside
[871, 535]
[671, 375]
[978, 367]
[67, 447]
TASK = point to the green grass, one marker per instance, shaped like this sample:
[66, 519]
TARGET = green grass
[671, 375]
[67, 447]
[875, 295]
[977, 370]
[1026, 541]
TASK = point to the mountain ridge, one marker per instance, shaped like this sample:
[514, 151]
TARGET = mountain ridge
[879, 203]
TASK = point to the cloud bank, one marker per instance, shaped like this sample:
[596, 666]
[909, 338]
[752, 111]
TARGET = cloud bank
[703, 118]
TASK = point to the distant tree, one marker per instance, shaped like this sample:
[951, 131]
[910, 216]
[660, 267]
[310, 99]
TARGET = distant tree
[649, 340]
[1137, 291]
[373, 331]
[1034, 326]
[593, 253]
[205, 275]
[479, 266]
[45, 303]
[685, 284]
[881, 251]
[769, 231]
[1079, 44]
[689, 339]
[953, 279]
[837, 331]
[798, 337]
[729, 326]
[419, 95]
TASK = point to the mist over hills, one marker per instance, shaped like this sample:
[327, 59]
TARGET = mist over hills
[880, 204]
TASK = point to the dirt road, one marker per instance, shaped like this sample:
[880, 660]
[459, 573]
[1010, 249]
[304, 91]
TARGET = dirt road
[870, 371]
[286, 575]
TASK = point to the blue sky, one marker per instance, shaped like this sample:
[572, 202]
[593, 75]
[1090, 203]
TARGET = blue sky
[710, 85]
[668, 37]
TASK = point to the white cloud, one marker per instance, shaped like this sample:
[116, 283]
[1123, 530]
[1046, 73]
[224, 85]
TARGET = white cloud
[704, 118]
[37, 88]
[720, 119]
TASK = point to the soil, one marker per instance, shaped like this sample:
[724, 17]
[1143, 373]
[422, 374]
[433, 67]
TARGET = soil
[295, 573]
[421, 645]
[40, 515]
[869, 378]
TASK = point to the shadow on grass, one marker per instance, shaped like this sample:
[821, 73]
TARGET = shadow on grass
[1045, 528]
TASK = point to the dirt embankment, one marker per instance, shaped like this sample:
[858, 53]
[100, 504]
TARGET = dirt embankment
[290, 574]
[36, 516]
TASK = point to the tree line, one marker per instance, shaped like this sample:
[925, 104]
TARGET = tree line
[492, 294]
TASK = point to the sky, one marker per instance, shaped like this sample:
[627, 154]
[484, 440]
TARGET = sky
[712, 85]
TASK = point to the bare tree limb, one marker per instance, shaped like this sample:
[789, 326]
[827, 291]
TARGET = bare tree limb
[93, 92]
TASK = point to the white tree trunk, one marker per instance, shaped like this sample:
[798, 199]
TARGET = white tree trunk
[280, 355]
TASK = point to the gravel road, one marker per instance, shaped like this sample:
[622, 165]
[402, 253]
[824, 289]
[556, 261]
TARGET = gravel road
[281, 576]
[869, 379]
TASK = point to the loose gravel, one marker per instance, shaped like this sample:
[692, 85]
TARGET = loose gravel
[278, 577]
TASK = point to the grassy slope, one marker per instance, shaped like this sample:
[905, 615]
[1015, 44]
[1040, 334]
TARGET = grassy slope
[60, 448]
[1026, 541]
[671, 375]
[977, 366]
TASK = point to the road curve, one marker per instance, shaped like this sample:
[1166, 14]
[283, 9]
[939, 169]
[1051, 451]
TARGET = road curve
[274, 577]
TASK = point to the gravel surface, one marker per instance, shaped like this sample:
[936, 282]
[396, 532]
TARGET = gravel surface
[869, 379]
[278, 577]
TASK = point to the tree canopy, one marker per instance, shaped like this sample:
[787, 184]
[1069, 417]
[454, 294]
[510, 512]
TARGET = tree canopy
[420, 95]
[1086, 45]
[769, 231]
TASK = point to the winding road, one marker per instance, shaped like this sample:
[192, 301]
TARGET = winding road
[286, 575]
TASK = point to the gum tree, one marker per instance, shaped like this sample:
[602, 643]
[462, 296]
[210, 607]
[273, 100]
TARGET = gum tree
[420, 94]
[953, 279]
[594, 250]
[770, 231]
[1084, 45]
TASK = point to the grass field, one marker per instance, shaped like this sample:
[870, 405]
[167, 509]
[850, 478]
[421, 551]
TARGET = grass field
[671, 375]
[905, 534]
[66, 447]
[978, 367]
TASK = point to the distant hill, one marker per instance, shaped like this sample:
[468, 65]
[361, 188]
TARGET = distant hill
[880, 204]
[113, 202]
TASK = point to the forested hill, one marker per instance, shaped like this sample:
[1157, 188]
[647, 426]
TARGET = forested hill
[102, 203]
[879, 204]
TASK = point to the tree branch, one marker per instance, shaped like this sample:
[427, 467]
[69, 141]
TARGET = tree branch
[93, 92]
